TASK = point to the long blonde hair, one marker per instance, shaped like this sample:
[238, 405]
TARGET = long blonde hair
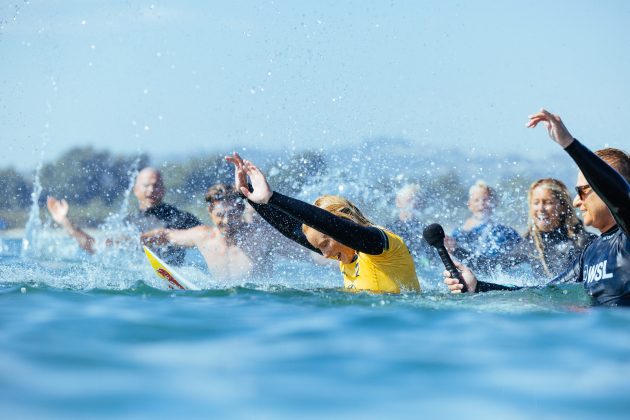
[568, 218]
[341, 207]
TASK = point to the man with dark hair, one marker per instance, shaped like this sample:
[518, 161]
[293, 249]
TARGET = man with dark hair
[233, 248]
[153, 213]
[603, 196]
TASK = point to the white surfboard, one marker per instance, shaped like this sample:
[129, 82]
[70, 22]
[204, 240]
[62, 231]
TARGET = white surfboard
[173, 279]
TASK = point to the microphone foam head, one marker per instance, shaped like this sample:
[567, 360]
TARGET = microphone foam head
[434, 234]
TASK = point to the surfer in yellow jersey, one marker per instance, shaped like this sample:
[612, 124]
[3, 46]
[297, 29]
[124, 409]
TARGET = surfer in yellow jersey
[228, 246]
[370, 258]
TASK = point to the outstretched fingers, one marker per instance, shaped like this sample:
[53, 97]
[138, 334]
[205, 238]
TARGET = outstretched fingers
[543, 115]
[556, 128]
[262, 192]
[240, 178]
[58, 209]
[235, 159]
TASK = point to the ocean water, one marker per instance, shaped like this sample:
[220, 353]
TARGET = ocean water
[95, 337]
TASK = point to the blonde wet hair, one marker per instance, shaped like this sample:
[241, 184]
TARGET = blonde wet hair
[342, 207]
[566, 214]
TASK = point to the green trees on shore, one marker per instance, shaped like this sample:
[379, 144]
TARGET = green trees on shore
[94, 182]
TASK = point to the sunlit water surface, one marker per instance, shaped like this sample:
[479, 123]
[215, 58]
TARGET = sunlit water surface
[102, 337]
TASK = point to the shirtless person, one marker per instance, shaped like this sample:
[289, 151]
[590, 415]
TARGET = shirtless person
[603, 196]
[230, 247]
[153, 213]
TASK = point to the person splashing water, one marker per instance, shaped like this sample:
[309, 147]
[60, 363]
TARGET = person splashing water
[370, 258]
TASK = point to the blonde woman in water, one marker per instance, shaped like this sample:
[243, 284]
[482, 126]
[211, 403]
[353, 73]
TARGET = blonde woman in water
[554, 237]
[370, 257]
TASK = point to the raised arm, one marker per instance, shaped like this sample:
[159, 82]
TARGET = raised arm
[366, 239]
[607, 183]
[58, 210]
[283, 223]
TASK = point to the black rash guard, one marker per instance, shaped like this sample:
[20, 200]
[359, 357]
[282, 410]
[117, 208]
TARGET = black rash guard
[287, 215]
[604, 265]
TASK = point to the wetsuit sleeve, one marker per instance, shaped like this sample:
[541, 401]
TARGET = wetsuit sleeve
[483, 286]
[609, 185]
[366, 239]
[283, 223]
[573, 274]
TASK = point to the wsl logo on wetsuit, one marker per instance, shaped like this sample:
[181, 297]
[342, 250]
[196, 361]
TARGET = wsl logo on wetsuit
[596, 272]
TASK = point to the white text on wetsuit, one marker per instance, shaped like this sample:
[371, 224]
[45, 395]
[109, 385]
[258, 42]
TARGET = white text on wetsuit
[596, 272]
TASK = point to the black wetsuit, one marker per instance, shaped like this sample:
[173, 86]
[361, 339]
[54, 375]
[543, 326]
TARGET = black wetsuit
[287, 215]
[169, 217]
[559, 249]
[604, 265]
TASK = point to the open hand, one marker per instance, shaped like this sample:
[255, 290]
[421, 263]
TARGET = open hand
[240, 177]
[454, 285]
[262, 192]
[557, 131]
[58, 209]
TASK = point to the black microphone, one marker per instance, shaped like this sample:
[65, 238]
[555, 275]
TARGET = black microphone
[434, 235]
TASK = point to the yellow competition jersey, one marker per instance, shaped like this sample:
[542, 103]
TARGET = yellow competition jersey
[388, 272]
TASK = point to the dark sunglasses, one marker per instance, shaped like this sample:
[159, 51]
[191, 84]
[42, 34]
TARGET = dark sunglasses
[583, 191]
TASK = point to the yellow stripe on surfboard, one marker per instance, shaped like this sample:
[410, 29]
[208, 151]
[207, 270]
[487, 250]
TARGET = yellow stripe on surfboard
[173, 279]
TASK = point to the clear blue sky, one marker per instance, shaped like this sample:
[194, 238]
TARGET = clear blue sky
[188, 76]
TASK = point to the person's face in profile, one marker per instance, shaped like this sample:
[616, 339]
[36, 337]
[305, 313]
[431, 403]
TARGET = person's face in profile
[594, 210]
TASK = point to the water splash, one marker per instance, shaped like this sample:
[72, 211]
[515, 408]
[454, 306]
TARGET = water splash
[32, 242]
[132, 173]
[116, 231]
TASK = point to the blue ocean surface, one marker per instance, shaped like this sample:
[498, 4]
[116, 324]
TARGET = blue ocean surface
[92, 337]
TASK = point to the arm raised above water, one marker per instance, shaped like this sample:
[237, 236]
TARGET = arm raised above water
[607, 183]
[58, 210]
[366, 239]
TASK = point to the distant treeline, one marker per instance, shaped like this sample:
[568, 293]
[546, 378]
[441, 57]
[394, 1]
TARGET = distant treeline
[94, 183]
